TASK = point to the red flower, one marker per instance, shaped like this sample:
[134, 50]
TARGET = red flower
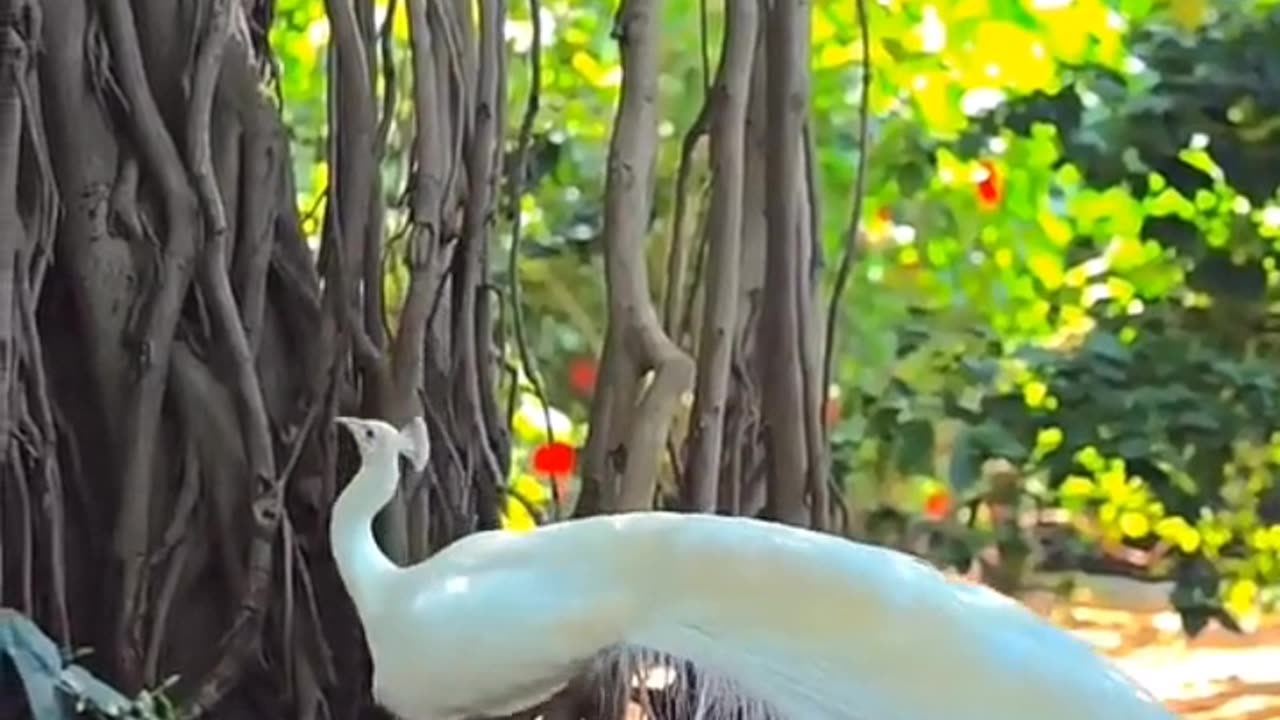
[991, 187]
[582, 375]
[555, 459]
[938, 505]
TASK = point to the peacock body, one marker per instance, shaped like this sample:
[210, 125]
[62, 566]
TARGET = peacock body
[779, 621]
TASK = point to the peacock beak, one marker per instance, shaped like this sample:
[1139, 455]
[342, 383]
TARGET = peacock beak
[351, 424]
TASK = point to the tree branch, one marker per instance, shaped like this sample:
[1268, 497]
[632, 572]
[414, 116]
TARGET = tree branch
[780, 341]
[724, 231]
[629, 420]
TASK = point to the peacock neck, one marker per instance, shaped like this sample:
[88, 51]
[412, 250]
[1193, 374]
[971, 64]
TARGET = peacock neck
[362, 564]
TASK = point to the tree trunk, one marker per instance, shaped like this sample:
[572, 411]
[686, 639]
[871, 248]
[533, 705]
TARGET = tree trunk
[173, 351]
[174, 347]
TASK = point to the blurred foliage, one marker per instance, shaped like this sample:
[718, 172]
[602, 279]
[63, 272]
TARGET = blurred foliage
[1107, 328]
[1069, 263]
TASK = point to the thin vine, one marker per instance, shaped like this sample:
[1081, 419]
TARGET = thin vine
[515, 190]
[859, 196]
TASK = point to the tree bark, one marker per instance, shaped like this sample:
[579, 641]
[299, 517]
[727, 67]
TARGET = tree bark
[167, 387]
[781, 345]
[631, 412]
[724, 231]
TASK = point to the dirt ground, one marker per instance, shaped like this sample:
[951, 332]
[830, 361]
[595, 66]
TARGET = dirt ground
[1219, 675]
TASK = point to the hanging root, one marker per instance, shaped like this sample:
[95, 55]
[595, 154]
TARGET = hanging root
[669, 688]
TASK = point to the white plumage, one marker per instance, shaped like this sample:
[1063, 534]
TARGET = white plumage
[813, 626]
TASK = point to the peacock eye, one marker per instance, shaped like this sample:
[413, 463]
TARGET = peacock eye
[368, 434]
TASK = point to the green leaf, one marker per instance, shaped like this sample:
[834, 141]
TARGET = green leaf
[914, 448]
[1198, 420]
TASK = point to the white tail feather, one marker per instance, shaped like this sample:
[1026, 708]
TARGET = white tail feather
[690, 692]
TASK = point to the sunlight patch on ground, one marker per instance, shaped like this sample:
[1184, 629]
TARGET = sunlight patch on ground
[1217, 676]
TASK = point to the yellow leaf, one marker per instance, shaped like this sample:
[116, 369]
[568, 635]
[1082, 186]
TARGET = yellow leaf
[534, 492]
[1048, 269]
[1034, 393]
[1003, 258]
[517, 518]
[1134, 525]
[1023, 61]
[1190, 15]
[1176, 530]
[1169, 528]
[1077, 486]
[601, 76]
[938, 108]
[1114, 482]
[1266, 565]
[909, 257]
[1216, 536]
[823, 29]
[1242, 598]
[1048, 440]
[530, 423]
[400, 23]
[1090, 459]
[835, 55]
[1189, 540]
[576, 36]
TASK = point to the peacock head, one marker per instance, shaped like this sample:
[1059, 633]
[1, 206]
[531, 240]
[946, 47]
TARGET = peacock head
[375, 436]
